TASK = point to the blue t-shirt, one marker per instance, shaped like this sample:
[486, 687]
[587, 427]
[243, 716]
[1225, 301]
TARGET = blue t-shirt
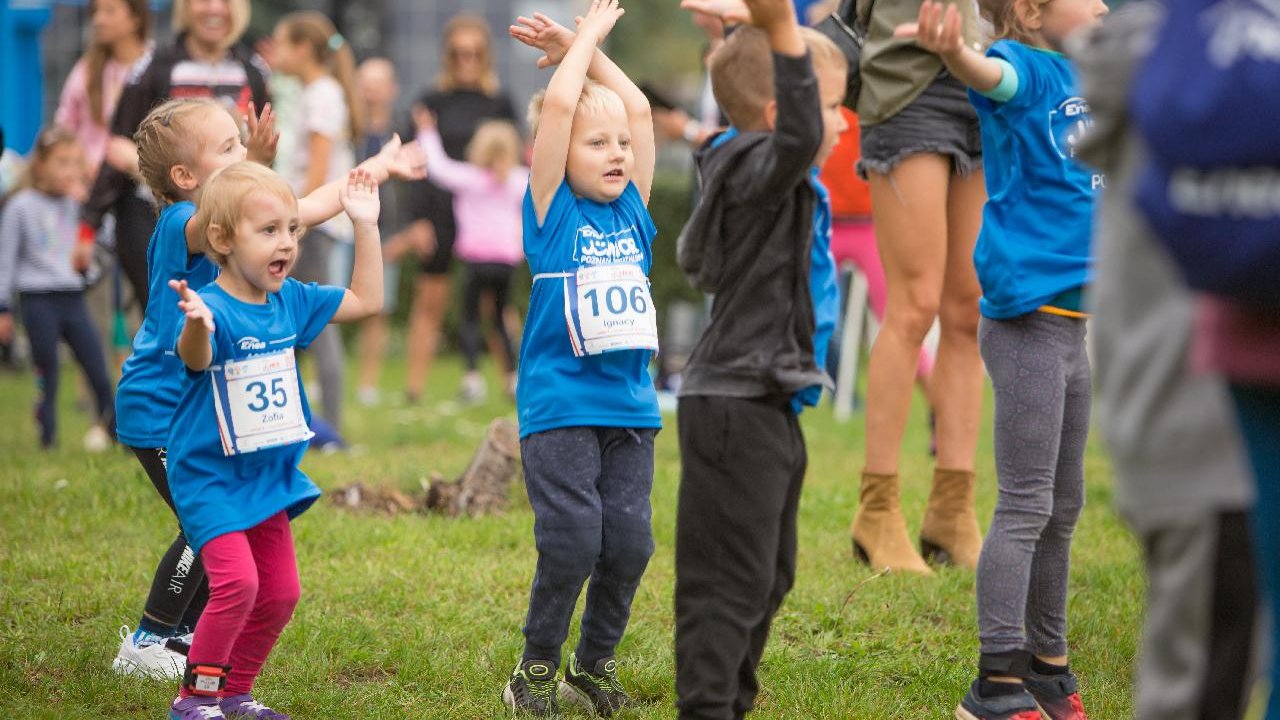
[151, 381]
[1038, 220]
[215, 494]
[556, 388]
[824, 286]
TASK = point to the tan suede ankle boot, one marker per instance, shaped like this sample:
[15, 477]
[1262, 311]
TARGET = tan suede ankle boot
[950, 534]
[879, 532]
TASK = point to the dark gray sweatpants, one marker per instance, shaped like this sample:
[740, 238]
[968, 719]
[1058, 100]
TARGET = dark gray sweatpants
[1041, 377]
[589, 488]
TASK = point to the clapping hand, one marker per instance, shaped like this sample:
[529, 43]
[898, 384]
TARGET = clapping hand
[360, 198]
[542, 33]
[937, 29]
[263, 137]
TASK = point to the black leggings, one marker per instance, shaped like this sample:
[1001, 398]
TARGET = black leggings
[179, 590]
[53, 317]
[481, 277]
[135, 222]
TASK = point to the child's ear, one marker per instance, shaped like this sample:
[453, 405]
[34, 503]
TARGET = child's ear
[1028, 13]
[219, 239]
[182, 176]
[771, 115]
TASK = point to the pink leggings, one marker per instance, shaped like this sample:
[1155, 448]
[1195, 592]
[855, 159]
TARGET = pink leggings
[855, 241]
[253, 588]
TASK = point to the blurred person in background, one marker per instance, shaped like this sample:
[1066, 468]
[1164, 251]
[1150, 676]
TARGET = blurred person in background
[467, 93]
[326, 121]
[204, 59]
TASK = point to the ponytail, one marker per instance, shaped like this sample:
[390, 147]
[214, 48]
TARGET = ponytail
[331, 50]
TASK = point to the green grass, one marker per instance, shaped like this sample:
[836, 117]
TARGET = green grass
[420, 616]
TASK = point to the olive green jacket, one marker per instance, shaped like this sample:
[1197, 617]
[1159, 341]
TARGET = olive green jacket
[895, 71]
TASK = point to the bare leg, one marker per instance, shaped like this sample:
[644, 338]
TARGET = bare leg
[430, 300]
[373, 346]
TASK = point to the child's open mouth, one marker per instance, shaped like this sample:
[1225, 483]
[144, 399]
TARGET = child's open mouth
[615, 174]
[277, 268]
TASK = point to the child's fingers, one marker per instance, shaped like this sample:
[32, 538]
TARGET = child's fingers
[907, 30]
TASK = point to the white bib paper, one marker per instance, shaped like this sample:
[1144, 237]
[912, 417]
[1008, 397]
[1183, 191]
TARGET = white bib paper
[259, 403]
[610, 308]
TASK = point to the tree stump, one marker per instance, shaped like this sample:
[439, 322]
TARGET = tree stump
[482, 487]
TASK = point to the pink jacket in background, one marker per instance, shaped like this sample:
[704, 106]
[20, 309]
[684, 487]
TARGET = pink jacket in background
[487, 209]
[73, 107]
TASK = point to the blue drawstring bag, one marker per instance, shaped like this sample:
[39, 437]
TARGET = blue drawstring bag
[1207, 101]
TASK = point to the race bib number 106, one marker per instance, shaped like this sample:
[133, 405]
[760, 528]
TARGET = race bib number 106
[611, 309]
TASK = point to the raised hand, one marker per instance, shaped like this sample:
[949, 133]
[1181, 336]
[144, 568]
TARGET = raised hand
[403, 162]
[423, 118]
[768, 14]
[734, 12]
[600, 19]
[262, 135]
[192, 304]
[937, 29]
[542, 33]
[360, 198]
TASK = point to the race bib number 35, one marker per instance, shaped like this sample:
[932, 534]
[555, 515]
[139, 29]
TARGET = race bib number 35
[610, 308]
[259, 403]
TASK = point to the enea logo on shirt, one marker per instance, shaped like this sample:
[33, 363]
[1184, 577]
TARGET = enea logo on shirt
[1068, 124]
[595, 248]
[251, 343]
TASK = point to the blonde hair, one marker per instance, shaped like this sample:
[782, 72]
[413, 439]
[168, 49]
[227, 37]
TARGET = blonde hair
[167, 137]
[223, 197]
[742, 72]
[447, 80]
[181, 20]
[495, 146]
[332, 51]
[1003, 16]
[49, 140]
[595, 98]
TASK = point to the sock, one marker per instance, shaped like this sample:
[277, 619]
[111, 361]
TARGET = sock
[990, 688]
[147, 626]
[1043, 668]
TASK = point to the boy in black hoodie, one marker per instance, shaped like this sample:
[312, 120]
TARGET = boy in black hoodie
[749, 242]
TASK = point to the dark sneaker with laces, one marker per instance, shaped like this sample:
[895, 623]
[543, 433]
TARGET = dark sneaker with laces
[196, 708]
[532, 689]
[1017, 706]
[1058, 695]
[596, 690]
[244, 707]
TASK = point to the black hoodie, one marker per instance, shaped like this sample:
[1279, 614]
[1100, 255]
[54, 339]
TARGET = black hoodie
[748, 241]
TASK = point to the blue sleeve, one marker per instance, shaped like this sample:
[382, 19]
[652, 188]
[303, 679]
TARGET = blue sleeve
[312, 306]
[1028, 70]
[1007, 88]
[638, 212]
[560, 214]
[168, 254]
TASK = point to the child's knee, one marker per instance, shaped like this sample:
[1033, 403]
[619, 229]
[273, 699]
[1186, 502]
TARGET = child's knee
[239, 592]
[279, 601]
[625, 554]
[571, 550]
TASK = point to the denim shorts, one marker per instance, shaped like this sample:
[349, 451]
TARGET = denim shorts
[941, 121]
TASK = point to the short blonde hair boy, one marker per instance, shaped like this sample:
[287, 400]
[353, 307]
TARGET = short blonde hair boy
[742, 72]
[595, 98]
[222, 201]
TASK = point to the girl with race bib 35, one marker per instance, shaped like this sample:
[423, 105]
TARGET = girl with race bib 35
[241, 427]
[587, 406]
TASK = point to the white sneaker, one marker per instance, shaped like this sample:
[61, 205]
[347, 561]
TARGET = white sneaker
[97, 440]
[368, 396]
[473, 389]
[147, 659]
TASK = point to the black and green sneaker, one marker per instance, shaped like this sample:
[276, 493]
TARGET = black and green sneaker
[532, 689]
[596, 690]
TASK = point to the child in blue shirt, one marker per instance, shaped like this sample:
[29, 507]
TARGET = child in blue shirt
[1033, 262]
[241, 426]
[181, 144]
[588, 409]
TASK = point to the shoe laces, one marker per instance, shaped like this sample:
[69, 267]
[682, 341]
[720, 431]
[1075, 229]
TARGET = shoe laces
[210, 711]
[606, 682]
[537, 689]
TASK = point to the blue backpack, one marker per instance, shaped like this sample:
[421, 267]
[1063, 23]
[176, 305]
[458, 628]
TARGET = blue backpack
[1207, 101]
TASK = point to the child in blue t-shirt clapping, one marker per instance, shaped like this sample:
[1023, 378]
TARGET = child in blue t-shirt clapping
[1033, 262]
[587, 406]
[241, 425]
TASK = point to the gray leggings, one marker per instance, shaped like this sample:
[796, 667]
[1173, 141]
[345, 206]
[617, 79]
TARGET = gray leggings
[1040, 373]
[313, 266]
